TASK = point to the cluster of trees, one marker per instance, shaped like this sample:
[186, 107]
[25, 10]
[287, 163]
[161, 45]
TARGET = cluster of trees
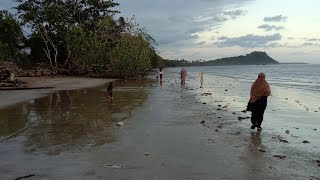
[76, 37]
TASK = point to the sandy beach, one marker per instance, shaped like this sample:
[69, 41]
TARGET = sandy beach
[58, 83]
[169, 132]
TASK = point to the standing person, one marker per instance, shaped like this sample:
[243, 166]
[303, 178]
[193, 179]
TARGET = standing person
[109, 89]
[260, 90]
[161, 73]
[183, 74]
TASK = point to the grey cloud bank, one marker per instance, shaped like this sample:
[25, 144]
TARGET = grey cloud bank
[278, 18]
[267, 27]
[174, 22]
[249, 41]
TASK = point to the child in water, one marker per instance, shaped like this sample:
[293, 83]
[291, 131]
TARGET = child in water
[109, 89]
[161, 73]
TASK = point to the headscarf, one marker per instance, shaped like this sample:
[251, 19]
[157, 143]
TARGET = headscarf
[259, 88]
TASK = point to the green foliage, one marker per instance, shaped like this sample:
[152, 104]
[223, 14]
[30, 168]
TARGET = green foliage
[79, 38]
[11, 37]
[131, 56]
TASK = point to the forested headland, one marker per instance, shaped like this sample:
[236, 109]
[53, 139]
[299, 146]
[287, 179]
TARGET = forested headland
[68, 37]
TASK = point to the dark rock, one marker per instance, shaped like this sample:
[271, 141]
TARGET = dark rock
[287, 132]
[306, 142]
[279, 156]
[202, 122]
[219, 105]
[242, 118]
[226, 90]
[261, 150]
[243, 111]
[283, 140]
[218, 109]
[204, 103]
[234, 113]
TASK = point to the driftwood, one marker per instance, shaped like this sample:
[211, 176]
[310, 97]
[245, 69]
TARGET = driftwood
[23, 177]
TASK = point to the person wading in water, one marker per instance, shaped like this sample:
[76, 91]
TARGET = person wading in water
[260, 90]
[183, 74]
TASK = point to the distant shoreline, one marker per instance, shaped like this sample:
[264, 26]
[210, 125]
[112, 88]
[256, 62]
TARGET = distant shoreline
[295, 63]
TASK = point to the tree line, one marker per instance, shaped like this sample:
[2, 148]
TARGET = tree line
[76, 37]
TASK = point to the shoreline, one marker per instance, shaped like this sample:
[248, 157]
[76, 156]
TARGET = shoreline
[169, 132]
[11, 97]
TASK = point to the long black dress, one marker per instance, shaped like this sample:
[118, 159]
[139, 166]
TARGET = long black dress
[258, 109]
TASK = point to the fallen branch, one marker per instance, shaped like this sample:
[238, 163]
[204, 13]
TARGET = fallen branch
[23, 177]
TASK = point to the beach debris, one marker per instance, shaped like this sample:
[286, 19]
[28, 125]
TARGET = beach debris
[297, 128]
[219, 126]
[261, 150]
[280, 156]
[280, 139]
[287, 131]
[314, 178]
[202, 122]
[206, 94]
[146, 153]
[113, 166]
[242, 118]
[305, 142]
[236, 133]
[286, 98]
[120, 124]
[24, 177]
[234, 113]
[210, 140]
[283, 140]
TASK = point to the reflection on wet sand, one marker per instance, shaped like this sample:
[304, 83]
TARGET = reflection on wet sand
[73, 120]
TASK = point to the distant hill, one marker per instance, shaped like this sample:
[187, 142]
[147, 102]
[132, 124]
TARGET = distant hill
[254, 58]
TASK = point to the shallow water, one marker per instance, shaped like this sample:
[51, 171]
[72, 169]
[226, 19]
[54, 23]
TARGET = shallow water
[294, 104]
[72, 120]
[72, 134]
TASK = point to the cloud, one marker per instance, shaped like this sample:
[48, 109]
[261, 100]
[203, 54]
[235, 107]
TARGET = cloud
[310, 44]
[278, 18]
[313, 39]
[181, 19]
[234, 14]
[267, 27]
[249, 41]
[200, 43]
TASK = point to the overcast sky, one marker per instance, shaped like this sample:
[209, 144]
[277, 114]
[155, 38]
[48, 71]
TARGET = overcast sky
[288, 30]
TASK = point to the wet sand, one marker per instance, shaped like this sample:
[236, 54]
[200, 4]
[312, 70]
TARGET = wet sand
[58, 83]
[169, 132]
